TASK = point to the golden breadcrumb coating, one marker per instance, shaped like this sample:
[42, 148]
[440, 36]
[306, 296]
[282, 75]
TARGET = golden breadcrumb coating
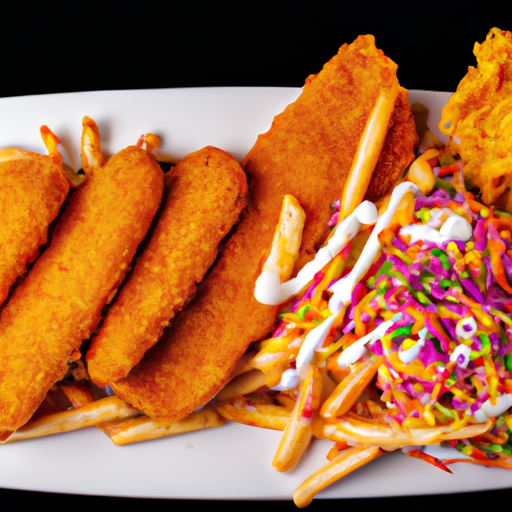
[479, 115]
[307, 153]
[205, 194]
[59, 304]
[32, 190]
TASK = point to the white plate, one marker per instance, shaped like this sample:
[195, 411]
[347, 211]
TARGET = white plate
[232, 462]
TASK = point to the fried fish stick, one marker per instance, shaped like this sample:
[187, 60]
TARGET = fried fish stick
[307, 153]
[32, 190]
[205, 194]
[59, 304]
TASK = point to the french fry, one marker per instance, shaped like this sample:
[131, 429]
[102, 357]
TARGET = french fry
[284, 251]
[349, 390]
[357, 430]
[244, 364]
[299, 429]
[333, 452]
[89, 415]
[123, 431]
[368, 151]
[346, 462]
[318, 426]
[135, 430]
[78, 394]
[254, 413]
[286, 399]
[242, 385]
[115, 418]
[336, 449]
[421, 173]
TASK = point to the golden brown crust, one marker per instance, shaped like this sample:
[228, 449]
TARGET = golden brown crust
[60, 302]
[32, 190]
[308, 153]
[479, 115]
[205, 194]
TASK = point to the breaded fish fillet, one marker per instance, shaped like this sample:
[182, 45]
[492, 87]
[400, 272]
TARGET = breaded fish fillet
[205, 194]
[479, 115]
[59, 304]
[32, 190]
[307, 153]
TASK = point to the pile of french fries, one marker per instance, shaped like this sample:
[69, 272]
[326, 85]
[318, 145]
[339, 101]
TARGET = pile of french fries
[122, 423]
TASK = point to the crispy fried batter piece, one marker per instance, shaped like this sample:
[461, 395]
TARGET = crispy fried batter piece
[479, 115]
[307, 153]
[205, 194]
[59, 304]
[32, 190]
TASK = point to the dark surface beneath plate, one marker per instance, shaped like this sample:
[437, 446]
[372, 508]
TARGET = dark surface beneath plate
[251, 44]
[465, 501]
[246, 44]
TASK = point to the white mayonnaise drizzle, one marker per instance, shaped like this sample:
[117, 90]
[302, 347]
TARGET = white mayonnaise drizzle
[289, 380]
[409, 355]
[343, 288]
[269, 289]
[357, 350]
[279, 264]
[314, 338]
[487, 410]
[454, 227]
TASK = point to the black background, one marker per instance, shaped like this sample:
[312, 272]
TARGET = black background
[248, 44]
[155, 45]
